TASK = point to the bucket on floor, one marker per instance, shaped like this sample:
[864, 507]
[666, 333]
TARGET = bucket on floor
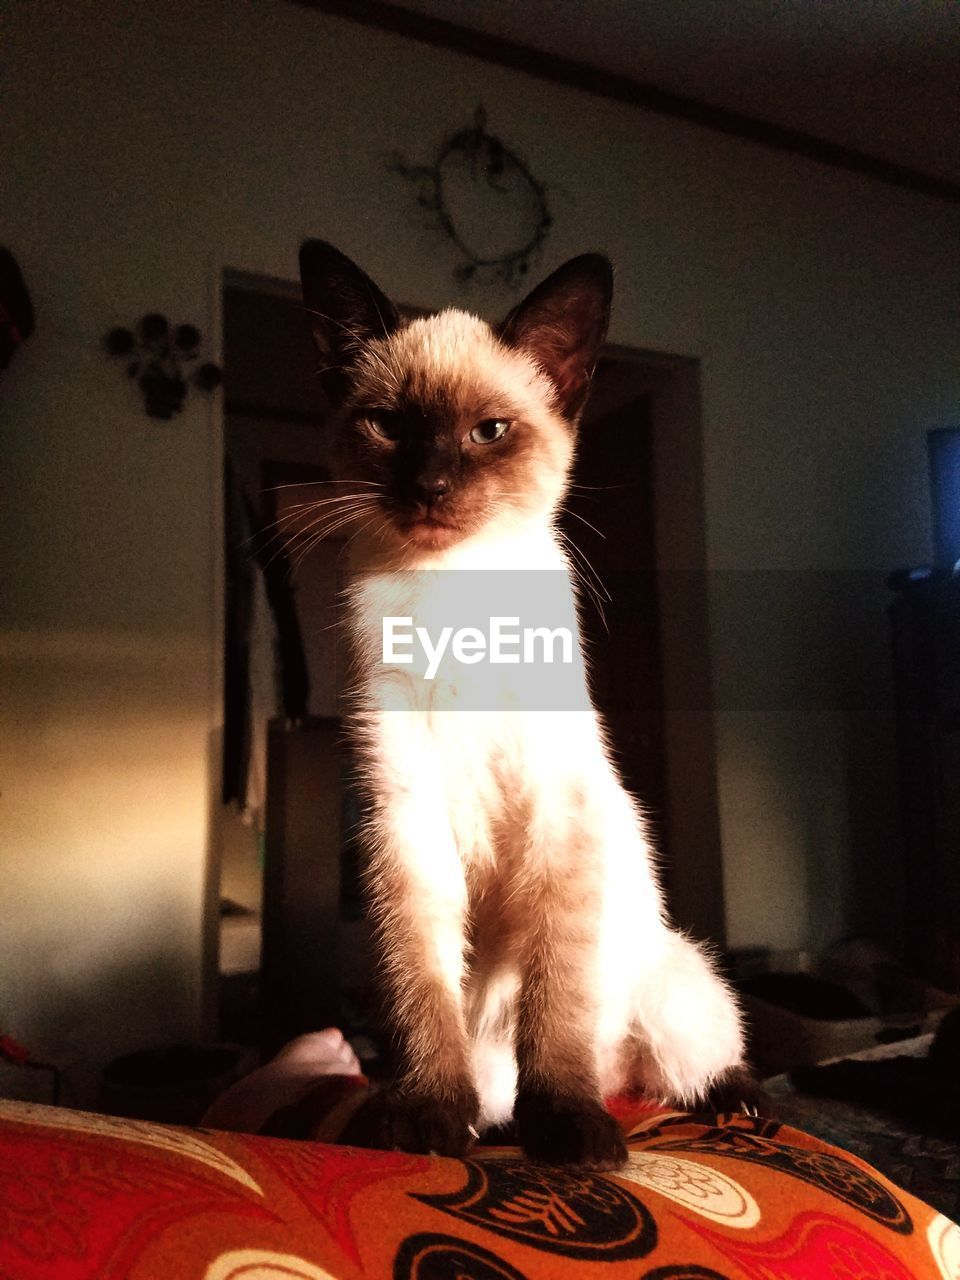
[173, 1084]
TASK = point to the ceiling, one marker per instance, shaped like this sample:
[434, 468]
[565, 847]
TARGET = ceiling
[879, 76]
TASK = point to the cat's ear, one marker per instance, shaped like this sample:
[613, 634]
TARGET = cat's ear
[345, 308]
[563, 323]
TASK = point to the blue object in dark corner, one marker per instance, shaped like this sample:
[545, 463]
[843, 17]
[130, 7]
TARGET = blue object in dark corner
[943, 447]
[901, 579]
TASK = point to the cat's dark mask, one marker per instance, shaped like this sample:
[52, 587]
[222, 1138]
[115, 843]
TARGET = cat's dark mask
[450, 420]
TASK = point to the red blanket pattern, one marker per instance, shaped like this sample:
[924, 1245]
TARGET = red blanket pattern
[87, 1197]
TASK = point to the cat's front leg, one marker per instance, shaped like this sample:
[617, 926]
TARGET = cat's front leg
[419, 904]
[559, 1114]
[399, 1118]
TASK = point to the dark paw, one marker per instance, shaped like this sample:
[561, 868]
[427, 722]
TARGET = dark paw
[568, 1131]
[737, 1090]
[394, 1119]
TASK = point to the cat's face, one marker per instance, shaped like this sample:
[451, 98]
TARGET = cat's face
[445, 426]
[455, 430]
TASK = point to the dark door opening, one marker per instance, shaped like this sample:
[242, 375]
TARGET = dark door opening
[625, 522]
[609, 517]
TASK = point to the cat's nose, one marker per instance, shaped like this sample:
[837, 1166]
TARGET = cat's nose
[435, 488]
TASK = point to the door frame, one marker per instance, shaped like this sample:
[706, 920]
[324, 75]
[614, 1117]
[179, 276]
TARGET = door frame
[693, 876]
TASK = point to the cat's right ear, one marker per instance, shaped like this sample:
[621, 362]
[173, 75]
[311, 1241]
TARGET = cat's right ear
[563, 323]
[345, 308]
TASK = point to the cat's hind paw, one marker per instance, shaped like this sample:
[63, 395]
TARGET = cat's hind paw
[576, 1132]
[737, 1090]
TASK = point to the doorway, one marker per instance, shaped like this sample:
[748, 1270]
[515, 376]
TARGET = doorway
[635, 517]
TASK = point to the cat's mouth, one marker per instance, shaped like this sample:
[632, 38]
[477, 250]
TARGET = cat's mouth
[429, 530]
[429, 526]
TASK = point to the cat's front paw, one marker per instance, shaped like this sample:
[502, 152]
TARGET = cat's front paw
[579, 1132]
[395, 1119]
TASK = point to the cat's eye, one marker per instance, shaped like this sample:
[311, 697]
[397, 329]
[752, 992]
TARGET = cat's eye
[489, 430]
[386, 423]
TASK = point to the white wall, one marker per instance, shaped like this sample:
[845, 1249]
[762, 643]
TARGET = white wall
[147, 147]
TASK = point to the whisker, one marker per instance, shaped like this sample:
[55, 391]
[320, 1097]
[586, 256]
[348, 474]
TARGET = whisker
[591, 592]
[592, 585]
[301, 484]
[579, 551]
[338, 595]
[338, 522]
[290, 544]
[312, 538]
[600, 488]
[297, 509]
[366, 525]
[362, 502]
[583, 520]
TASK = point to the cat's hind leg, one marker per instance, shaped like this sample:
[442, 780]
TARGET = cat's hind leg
[668, 1023]
[685, 1040]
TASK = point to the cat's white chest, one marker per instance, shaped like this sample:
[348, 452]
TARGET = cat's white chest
[488, 628]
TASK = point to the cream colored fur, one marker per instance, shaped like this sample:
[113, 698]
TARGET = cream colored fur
[473, 810]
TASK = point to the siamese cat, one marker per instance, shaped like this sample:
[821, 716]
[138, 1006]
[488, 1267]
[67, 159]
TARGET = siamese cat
[529, 967]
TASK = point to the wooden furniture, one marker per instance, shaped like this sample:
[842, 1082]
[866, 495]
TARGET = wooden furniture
[926, 635]
[300, 970]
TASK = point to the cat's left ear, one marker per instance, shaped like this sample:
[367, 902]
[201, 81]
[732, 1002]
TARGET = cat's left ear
[345, 308]
[563, 323]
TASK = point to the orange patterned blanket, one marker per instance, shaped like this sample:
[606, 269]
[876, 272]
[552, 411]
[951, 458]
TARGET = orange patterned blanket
[89, 1197]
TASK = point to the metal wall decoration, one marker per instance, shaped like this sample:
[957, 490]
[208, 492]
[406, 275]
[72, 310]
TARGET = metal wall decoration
[497, 172]
[162, 358]
[16, 309]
